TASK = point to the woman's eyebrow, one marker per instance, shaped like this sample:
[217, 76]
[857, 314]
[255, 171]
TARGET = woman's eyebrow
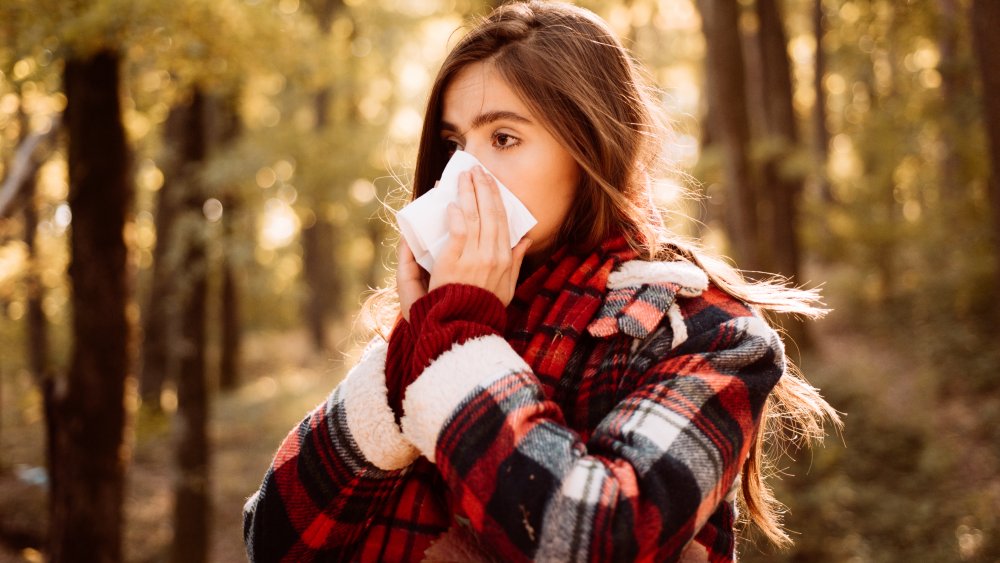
[489, 117]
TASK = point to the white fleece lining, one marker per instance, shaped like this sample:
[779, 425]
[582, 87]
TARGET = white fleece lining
[677, 326]
[440, 389]
[691, 278]
[735, 489]
[369, 418]
[755, 326]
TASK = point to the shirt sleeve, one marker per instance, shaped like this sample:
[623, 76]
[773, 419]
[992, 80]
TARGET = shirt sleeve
[331, 474]
[649, 477]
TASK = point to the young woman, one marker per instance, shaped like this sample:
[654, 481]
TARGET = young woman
[597, 392]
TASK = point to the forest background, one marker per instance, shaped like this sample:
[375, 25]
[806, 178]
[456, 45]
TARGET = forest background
[195, 196]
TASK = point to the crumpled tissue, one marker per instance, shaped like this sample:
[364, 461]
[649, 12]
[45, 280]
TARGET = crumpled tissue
[424, 222]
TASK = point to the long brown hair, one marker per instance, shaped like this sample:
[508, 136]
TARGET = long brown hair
[567, 65]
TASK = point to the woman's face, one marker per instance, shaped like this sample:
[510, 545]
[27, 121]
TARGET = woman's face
[484, 117]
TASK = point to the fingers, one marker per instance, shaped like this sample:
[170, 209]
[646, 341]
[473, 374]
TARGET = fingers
[404, 252]
[478, 252]
[459, 231]
[498, 212]
[470, 211]
[407, 262]
[486, 198]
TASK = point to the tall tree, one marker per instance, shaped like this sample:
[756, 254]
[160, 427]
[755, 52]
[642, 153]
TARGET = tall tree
[727, 101]
[231, 330]
[951, 89]
[88, 412]
[38, 334]
[159, 321]
[319, 240]
[781, 189]
[191, 489]
[821, 133]
[985, 16]
[225, 129]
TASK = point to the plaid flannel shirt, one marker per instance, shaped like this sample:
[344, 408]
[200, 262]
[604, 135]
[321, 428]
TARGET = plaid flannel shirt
[610, 423]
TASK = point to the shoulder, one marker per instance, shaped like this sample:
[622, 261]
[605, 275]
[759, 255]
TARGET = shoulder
[673, 297]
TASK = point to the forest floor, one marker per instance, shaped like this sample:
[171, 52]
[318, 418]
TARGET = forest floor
[285, 380]
[914, 477]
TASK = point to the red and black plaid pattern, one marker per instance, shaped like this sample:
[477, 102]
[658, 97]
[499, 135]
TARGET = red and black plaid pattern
[319, 496]
[413, 519]
[648, 478]
[634, 310]
[552, 308]
[608, 448]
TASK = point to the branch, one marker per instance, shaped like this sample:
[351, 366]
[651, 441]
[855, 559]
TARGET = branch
[24, 166]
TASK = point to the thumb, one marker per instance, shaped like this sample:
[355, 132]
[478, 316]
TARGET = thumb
[407, 266]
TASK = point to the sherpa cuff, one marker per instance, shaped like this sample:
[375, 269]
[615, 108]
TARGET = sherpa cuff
[370, 421]
[448, 382]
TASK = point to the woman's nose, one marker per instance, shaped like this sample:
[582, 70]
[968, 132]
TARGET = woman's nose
[474, 150]
[479, 152]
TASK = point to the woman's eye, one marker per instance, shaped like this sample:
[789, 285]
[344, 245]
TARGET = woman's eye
[504, 141]
[451, 145]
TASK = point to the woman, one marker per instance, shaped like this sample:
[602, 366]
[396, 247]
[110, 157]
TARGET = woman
[593, 393]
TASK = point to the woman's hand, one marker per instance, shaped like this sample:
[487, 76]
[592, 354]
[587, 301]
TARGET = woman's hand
[479, 251]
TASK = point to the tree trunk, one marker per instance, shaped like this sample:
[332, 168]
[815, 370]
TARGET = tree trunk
[705, 212]
[38, 335]
[87, 466]
[226, 128]
[727, 101]
[821, 135]
[160, 323]
[778, 119]
[229, 361]
[951, 90]
[322, 279]
[318, 251]
[191, 489]
[986, 42]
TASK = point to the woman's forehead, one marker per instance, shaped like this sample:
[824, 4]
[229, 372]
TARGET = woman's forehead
[476, 90]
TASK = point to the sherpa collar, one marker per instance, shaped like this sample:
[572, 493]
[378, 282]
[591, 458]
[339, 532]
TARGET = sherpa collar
[642, 293]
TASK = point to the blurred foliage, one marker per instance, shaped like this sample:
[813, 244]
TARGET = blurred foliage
[904, 248]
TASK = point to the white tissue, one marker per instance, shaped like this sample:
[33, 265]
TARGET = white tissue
[424, 222]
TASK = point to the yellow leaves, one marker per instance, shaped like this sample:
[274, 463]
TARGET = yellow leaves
[149, 176]
[13, 261]
[145, 231]
[278, 226]
[362, 191]
[405, 124]
[845, 163]
[266, 177]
